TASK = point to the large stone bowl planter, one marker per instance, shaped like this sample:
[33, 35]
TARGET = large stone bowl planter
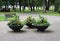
[41, 28]
[15, 28]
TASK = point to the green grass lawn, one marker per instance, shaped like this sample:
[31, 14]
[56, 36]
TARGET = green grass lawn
[2, 18]
[51, 13]
[11, 19]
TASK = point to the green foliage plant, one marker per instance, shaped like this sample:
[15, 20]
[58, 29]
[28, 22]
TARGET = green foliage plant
[30, 19]
[41, 21]
[17, 21]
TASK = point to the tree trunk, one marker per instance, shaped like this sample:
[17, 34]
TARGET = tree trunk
[13, 7]
[5, 6]
[24, 7]
[56, 8]
[44, 5]
[36, 7]
[30, 5]
[48, 5]
[16, 4]
[33, 4]
[20, 4]
[31, 8]
[20, 7]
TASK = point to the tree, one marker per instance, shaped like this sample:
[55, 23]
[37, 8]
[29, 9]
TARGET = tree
[25, 4]
[5, 3]
[33, 4]
[38, 3]
[0, 4]
[30, 4]
[12, 2]
[44, 5]
[57, 4]
[20, 4]
[48, 5]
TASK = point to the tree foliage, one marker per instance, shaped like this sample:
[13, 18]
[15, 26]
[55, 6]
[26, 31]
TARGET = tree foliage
[30, 4]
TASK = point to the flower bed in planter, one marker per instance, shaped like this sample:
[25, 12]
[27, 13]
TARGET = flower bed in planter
[41, 24]
[41, 28]
[16, 24]
[29, 21]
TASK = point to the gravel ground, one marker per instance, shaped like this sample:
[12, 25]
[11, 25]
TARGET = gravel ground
[51, 34]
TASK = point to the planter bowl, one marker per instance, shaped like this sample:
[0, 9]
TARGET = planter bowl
[41, 28]
[15, 27]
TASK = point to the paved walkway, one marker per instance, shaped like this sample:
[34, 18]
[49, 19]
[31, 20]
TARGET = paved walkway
[51, 34]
